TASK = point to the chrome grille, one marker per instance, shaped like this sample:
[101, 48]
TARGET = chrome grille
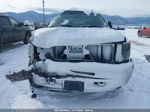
[103, 53]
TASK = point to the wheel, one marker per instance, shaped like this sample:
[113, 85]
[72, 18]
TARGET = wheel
[32, 83]
[1, 42]
[1, 45]
[27, 37]
[119, 88]
[34, 96]
[140, 34]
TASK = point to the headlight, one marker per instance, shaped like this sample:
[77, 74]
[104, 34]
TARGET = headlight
[123, 52]
[126, 51]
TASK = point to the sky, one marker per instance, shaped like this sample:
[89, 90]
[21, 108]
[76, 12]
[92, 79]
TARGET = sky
[125, 8]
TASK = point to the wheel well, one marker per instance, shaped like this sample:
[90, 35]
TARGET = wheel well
[28, 32]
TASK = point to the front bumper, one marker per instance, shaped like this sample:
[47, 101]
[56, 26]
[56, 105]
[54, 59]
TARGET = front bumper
[110, 76]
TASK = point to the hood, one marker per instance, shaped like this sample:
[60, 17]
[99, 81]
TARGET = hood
[64, 36]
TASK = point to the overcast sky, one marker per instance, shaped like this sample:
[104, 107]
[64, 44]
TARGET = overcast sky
[125, 8]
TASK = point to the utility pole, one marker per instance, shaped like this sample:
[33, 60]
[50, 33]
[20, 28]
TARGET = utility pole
[43, 12]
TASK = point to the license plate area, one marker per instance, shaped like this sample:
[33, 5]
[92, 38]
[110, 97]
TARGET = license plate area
[74, 85]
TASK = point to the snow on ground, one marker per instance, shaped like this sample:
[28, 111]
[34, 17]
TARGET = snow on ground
[136, 94]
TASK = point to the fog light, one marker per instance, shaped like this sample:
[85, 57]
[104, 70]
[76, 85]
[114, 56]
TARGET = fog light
[101, 84]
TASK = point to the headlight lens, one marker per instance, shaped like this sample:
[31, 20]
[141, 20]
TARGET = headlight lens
[126, 51]
[123, 52]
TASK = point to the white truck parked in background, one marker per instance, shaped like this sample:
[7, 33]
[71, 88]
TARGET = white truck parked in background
[79, 52]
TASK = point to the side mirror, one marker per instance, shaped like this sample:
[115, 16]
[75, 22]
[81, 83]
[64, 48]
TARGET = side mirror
[110, 24]
[20, 24]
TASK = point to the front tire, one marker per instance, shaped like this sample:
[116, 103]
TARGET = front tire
[1, 42]
[27, 37]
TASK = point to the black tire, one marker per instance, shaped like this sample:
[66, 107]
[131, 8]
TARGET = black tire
[119, 88]
[32, 83]
[1, 42]
[27, 37]
[140, 34]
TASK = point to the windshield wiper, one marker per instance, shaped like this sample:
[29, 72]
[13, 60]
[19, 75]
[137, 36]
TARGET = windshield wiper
[62, 26]
[74, 26]
[66, 25]
[90, 26]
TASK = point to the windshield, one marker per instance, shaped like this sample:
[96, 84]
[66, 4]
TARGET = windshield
[78, 19]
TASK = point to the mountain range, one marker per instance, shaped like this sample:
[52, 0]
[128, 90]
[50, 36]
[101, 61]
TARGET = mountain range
[38, 17]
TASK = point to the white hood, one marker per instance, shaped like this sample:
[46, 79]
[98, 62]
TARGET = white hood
[63, 36]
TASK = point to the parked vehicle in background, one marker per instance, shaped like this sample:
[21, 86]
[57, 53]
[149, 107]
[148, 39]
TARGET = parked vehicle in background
[145, 31]
[29, 24]
[37, 25]
[79, 52]
[13, 31]
[40, 25]
[119, 28]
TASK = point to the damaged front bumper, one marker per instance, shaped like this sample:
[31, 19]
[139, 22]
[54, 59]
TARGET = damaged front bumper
[83, 76]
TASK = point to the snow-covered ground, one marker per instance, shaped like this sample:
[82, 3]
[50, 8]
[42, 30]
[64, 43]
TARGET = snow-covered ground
[135, 95]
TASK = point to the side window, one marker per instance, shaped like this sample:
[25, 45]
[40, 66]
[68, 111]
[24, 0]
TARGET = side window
[13, 22]
[4, 21]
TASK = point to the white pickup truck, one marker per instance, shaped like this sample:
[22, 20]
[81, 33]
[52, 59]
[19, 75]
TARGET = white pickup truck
[79, 52]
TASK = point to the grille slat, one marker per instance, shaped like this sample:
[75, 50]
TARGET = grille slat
[105, 53]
